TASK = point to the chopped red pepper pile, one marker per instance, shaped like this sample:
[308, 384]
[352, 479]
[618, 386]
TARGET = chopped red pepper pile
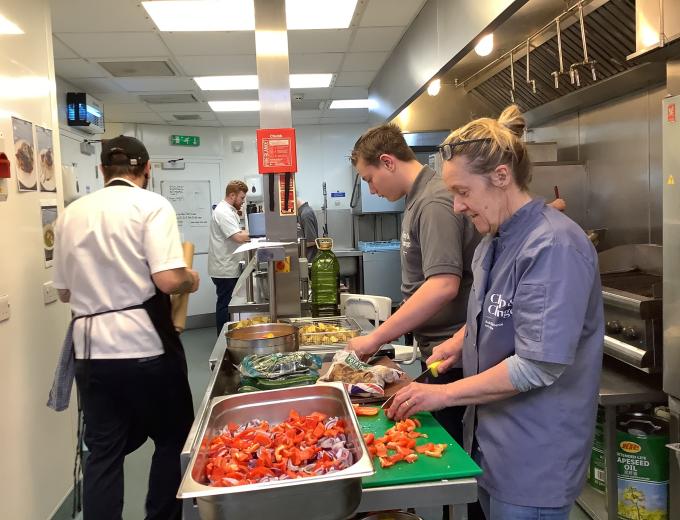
[301, 446]
[399, 444]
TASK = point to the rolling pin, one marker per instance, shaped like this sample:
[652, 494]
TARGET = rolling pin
[180, 302]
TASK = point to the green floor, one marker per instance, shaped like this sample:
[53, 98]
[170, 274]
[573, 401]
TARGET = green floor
[198, 345]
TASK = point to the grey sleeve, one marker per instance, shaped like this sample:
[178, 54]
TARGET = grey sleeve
[310, 227]
[527, 374]
[441, 237]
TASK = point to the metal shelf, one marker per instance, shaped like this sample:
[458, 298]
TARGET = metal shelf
[593, 503]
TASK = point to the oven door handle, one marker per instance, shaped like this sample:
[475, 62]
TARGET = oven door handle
[627, 353]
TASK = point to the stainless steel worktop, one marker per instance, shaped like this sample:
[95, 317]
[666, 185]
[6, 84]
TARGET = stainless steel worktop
[346, 252]
[224, 380]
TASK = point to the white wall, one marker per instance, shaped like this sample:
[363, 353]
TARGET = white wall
[39, 443]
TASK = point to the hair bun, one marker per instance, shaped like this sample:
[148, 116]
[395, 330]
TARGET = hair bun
[513, 120]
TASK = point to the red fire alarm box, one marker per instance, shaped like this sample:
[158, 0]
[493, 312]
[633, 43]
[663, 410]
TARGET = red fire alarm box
[4, 166]
[276, 150]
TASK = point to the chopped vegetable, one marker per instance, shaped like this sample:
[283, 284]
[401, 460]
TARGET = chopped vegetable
[365, 410]
[301, 446]
[401, 439]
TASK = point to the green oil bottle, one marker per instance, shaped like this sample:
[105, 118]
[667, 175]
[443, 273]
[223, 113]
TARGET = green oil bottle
[325, 280]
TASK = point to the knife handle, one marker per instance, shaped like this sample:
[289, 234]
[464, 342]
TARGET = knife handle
[433, 368]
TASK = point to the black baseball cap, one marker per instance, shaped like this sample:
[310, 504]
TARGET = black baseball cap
[123, 145]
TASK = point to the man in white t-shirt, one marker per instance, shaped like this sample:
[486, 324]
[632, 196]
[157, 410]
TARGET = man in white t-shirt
[117, 258]
[225, 236]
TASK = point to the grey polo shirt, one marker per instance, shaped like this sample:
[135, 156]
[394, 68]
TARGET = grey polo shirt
[308, 228]
[435, 240]
[537, 294]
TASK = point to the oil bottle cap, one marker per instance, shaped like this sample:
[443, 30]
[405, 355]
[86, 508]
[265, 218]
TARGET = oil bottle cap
[324, 244]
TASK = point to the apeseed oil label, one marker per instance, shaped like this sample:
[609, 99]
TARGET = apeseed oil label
[642, 462]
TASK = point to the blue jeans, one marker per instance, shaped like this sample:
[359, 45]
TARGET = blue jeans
[496, 510]
[224, 288]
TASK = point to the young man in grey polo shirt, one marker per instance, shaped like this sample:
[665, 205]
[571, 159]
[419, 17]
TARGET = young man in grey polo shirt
[436, 252]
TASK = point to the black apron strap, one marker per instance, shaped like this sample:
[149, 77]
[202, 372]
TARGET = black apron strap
[159, 309]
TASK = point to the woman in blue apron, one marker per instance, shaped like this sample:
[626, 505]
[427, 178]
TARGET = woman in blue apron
[532, 343]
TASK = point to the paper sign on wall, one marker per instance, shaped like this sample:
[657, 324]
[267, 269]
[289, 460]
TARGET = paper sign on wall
[292, 209]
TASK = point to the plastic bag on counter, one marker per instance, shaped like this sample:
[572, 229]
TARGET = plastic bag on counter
[360, 379]
[275, 366]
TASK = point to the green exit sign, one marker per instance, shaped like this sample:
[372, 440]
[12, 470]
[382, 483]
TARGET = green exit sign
[185, 140]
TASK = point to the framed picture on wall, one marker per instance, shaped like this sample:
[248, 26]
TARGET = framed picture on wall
[45, 156]
[48, 217]
[24, 153]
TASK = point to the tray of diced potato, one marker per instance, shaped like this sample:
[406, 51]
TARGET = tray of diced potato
[325, 331]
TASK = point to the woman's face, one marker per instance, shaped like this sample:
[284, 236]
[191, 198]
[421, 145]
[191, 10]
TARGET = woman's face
[482, 198]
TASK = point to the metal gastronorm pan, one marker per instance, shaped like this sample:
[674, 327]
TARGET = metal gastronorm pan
[327, 497]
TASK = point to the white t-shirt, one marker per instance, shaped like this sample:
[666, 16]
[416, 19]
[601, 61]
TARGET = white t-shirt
[107, 245]
[222, 262]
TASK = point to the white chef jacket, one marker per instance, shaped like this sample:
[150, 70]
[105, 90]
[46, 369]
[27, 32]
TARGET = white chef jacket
[225, 222]
[107, 245]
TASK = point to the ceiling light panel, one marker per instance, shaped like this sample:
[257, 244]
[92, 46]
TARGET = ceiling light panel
[202, 15]
[239, 15]
[9, 27]
[234, 106]
[249, 82]
[319, 14]
[351, 103]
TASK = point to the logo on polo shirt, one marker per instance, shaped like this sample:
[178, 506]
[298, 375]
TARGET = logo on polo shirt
[500, 307]
[405, 240]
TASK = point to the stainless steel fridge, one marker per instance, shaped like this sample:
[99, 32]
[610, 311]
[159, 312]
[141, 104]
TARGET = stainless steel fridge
[671, 286]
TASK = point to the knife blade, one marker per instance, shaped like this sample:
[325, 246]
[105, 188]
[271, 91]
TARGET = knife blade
[431, 369]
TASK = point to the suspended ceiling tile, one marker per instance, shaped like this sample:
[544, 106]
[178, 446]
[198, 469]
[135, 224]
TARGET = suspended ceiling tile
[345, 119]
[118, 97]
[143, 117]
[115, 45]
[99, 15]
[218, 65]
[361, 61]
[126, 108]
[322, 40]
[307, 113]
[382, 13]
[312, 93]
[202, 116]
[78, 68]
[355, 79]
[229, 95]
[156, 84]
[210, 43]
[315, 63]
[239, 118]
[97, 85]
[178, 108]
[349, 93]
[376, 39]
[214, 123]
[61, 51]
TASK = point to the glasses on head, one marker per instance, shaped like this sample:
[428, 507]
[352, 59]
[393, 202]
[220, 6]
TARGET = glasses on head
[448, 150]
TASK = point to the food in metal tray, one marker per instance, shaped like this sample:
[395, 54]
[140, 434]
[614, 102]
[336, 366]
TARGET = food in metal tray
[255, 320]
[256, 452]
[320, 333]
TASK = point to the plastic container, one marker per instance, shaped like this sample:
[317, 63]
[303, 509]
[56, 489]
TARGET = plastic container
[325, 280]
[642, 460]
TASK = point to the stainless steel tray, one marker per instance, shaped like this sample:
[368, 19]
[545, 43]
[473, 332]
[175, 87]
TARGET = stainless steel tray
[327, 497]
[337, 339]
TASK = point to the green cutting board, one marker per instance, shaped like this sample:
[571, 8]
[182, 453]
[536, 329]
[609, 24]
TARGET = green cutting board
[455, 462]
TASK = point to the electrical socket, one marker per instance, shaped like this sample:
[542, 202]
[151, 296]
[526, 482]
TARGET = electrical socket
[4, 307]
[49, 293]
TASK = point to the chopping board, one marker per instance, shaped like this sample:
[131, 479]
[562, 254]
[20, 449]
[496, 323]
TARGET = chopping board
[455, 462]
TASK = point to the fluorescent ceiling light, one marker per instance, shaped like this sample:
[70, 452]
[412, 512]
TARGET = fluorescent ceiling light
[310, 80]
[485, 45]
[239, 15]
[234, 106]
[7, 27]
[202, 15]
[351, 103]
[319, 14]
[250, 82]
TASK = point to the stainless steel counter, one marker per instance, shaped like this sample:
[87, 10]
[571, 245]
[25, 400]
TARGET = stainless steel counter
[224, 380]
[346, 252]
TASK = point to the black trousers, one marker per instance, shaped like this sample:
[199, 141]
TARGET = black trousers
[224, 287]
[124, 402]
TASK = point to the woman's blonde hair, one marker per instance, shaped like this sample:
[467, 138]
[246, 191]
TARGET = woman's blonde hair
[501, 143]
